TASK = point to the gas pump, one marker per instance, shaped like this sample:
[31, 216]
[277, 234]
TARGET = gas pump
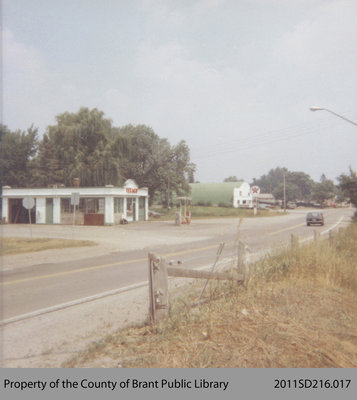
[184, 215]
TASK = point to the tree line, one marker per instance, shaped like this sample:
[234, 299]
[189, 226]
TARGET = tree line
[299, 186]
[87, 146]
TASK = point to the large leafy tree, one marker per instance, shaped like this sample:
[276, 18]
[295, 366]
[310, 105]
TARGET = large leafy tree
[291, 191]
[153, 162]
[348, 186]
[18, 152]
[48, 171]
[269, 182]
[323, 190]
[85, 145]
[182, 168]
[304, 184]
[79, 146]
[298, 185]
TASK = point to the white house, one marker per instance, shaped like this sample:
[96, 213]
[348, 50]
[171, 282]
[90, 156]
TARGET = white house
[97, 205]
[242, 196]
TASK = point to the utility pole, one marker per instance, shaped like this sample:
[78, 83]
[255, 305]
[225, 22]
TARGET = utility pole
[284, 192]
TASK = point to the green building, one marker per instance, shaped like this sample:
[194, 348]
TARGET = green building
[231, 194]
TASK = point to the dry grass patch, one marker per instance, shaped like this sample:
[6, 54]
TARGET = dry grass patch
[21, 245]
[297, 309]
[205, 212]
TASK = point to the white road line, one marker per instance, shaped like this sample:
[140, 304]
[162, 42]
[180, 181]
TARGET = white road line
[83, 300]
[333, 226]
[73, 303]
[324, 232]
[306, 239]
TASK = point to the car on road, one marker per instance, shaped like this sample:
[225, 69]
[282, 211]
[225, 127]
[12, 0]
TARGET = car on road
[315, 218]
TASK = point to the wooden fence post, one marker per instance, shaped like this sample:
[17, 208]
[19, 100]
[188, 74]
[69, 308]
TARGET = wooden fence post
[158, 288]
[241, 259]
[330, 236]
[316, 235]
[294, 242]
[158, 280]
[219, 252]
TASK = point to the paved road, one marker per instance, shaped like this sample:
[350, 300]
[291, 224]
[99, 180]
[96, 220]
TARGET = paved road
[41, 285]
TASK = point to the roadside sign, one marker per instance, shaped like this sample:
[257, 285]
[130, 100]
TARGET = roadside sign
[75, 199]
[74, 203]
[255, 190]
[28, 202]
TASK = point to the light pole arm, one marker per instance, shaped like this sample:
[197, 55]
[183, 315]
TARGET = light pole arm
[332, 112]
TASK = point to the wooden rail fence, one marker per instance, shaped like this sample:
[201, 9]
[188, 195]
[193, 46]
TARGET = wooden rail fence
[159, 271]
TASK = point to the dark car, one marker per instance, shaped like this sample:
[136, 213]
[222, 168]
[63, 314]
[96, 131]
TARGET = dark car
[315, 218]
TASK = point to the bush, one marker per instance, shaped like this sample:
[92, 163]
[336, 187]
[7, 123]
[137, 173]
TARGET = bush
[203, 204]
[224, 205]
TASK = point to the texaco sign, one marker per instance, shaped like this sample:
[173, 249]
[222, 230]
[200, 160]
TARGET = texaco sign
[255, 190]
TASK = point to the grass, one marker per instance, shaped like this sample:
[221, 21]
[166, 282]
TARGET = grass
[297, 308]
[198, 212]
[22, 245]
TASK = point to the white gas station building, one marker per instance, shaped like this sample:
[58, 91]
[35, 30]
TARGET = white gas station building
[107, 205]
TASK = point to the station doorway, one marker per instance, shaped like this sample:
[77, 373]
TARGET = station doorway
[131, 209]
[49, 211]
[18, 214]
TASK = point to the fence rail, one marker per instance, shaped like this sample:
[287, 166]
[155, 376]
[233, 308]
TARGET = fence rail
[159, 273]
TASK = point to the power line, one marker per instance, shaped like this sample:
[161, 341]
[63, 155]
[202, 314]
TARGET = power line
[246, 143]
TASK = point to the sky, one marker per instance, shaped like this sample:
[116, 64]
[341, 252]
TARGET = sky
[235, 79]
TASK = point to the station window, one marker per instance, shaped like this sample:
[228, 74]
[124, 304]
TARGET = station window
[91, 206]
[86, 205]
[66, 206]
[118, 205]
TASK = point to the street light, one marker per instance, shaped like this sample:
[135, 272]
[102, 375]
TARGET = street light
[332, 112]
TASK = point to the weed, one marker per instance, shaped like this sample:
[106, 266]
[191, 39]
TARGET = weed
[10, 245]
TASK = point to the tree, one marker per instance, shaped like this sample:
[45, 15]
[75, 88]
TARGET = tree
[79, 146]
[348, 186]
[303, 183]
[268, 183]
[298, 184]
[85, 145]
[291, 191]
[182, 169]
[18, 152]
[231, 179]
[47, 164]
[153, 162]
[323, 190]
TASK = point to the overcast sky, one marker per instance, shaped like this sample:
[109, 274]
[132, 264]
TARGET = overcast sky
[233, 78]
